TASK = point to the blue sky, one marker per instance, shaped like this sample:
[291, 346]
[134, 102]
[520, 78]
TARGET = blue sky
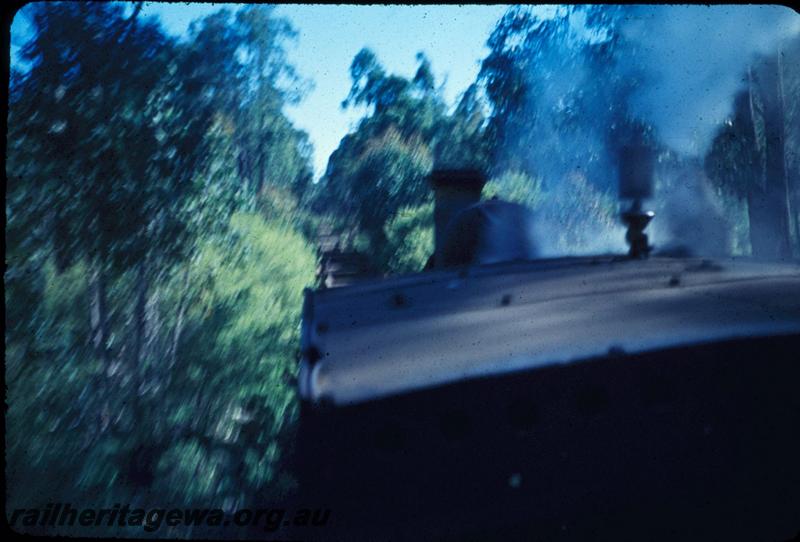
[452, 36]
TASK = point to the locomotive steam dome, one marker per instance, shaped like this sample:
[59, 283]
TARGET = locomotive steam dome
[489, 232]
[469, 231]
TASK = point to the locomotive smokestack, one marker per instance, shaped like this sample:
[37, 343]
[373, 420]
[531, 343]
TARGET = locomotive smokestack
[454, 190]
[635, 172]
[636, 164]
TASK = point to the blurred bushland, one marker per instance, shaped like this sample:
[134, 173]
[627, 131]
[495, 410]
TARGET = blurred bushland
[157, 251]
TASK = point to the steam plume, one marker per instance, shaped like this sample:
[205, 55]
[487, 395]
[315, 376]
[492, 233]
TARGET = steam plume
[678, 70]
[696, 57]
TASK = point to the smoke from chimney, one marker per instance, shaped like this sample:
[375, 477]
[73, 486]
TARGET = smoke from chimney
[695, 58]
[677, 69]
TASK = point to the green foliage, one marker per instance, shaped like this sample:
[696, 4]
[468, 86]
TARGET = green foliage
[737, 159]
[572, 217]
[243, 325]
[559, 113]
[517, 187]
[239, 64]
[156, 259]
[791, 90]
[460, 139]
[371, 177]
[47, 370]
[559, 100]
[258, 282]
[409, 236]
[734, 158]
[382, 167]
[106, 141]
[576, 217]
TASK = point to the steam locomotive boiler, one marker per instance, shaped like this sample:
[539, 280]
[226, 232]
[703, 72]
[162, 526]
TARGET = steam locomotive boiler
[501, 396]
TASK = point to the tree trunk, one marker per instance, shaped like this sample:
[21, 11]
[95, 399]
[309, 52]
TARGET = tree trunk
[791, 204]
[139, 315]
[262, 167]
[179, 321]
[99, 333]
[98, 313]
[768, 201]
